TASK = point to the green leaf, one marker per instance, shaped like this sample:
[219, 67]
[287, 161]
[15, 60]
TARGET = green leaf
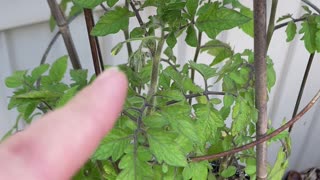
[137, 32]
[38, 71]
[79, 77]
[228, 84]
[164, 148]
[191, 38]
[291, 31]
[225, 112]
[172, 95]
[215, 101]
[155, 120]
[280, 136]
[111, 3]
[16, 79]
[247, 27]
[112, 22]
[183, 82]
[58, 69]
[114, 145]
[179, 118]
[306, 8]
[192, 6]
[29, 109]
[55, 87]
[219, 49]
[228, 100]
[202, 99]
[151, 3]
[88, 3]
[88, 172]
[70, 93]
[134, 165]
[239, 78]
[208, 121]
[164, 168]
[42, 94]
[126, 123]
[196, 170]
[271, 76]
[284, 17]
[169, 53]
[279, 167]
[309, 30]
[171, 13]
[206, 71]
[116, 49]
[52, 23]
[75, 10]
[250, 170]
[171, 40]
[229, 172]
[235, 3]
[241, 116]
[213, 20]
[110, 171]
[188, 85]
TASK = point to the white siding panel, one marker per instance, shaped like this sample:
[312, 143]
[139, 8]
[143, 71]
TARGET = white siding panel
[15, 13]
[6, 117]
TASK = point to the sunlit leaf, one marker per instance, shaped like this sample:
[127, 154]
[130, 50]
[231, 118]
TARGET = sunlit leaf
[112, 22]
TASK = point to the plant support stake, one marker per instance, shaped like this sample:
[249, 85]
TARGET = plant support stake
[65, 32]
[303, 84]
[260, 47]
[94, 43]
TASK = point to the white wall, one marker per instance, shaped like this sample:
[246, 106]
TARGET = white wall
[24, 35]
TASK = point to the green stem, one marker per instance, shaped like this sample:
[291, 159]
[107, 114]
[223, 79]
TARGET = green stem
[129, 47]
[196, 55]
[272, 21]
[195, 58]
[155, 71]
[126, 35]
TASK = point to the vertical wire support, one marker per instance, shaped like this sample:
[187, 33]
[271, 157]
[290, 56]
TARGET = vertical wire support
[303, 84]
[94, 43]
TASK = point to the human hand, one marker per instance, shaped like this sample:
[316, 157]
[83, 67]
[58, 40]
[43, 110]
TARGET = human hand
[57, 145]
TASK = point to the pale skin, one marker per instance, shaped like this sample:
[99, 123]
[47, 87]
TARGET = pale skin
[57, 145]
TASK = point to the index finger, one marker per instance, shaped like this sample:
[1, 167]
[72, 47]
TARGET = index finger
[58, 144]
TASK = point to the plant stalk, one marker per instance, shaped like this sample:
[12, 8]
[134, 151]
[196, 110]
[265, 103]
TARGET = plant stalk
[260, 48]
[196, 55]
[195, 58]
[272, 21]
[155, 71]
[303, 84]
[53, 40]
[65, 32]
[127, 36]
